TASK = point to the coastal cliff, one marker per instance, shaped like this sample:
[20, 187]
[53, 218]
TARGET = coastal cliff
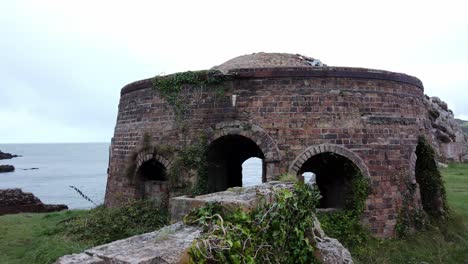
[446, 132]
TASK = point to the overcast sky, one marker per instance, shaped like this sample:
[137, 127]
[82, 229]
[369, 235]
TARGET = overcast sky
[63, 63]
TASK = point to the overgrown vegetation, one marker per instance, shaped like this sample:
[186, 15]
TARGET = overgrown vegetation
[438, 242]
[275, 233]
[345, 225]
[102, 225]
[190, 161]
[146, 145]
[433, 196]
[42, 238]
[410, 218]
[171, 86]
[287, 177]
[192, 158]
[32, 238]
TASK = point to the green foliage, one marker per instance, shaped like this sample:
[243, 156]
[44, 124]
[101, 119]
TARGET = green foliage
[410, 218]
[357, 194]
[192, 158]
[456, 182]
[433, 196]
[345, 225]
[102, 225]
[287, 177]
[146, 145]
[275, 233]
[171, 86]
[438, 242]
[32, 238]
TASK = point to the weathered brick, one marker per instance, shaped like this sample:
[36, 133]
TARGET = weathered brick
[291, 111]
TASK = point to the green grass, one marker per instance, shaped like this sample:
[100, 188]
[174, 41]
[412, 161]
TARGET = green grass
[447, 243]
[42, 238]
[32, 238]
[35, 238]
[456, 184]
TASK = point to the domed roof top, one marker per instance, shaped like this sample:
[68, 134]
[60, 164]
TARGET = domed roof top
[268, 60]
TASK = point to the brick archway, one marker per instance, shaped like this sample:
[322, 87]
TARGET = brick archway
[251, 131]
[314, 150]
[152, 154]
[265, 142]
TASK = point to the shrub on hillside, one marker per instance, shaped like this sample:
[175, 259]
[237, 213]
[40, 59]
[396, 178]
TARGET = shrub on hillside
[102, 225]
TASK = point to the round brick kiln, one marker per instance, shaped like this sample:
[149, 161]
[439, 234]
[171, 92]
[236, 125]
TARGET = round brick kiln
[291, 111]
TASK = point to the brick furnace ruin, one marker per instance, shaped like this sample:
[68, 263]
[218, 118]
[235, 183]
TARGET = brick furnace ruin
[293, 112]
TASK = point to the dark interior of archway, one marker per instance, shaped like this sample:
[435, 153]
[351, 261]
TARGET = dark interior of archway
[225, 158]
[334, 174]
[152, 170]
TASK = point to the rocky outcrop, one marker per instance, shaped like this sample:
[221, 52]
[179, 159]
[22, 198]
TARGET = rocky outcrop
[14, 201]
[170, 244]
[446, 133]
[4, 155]
[330, 250]
[6, 168]
[243, 197]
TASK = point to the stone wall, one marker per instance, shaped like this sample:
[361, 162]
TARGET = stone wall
[171, 244]
[371, 117]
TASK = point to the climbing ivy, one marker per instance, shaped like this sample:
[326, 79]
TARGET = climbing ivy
[146, 145]
[410, 218]
[345, 224]
[276, 233]
[170, 87]
[433, 196]
[191, 158]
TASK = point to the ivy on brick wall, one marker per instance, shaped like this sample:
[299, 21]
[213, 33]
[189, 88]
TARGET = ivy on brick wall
[410, 217]
[170, 87]
[146, 146]
[345, 225]
[192, 158]
[433, 196]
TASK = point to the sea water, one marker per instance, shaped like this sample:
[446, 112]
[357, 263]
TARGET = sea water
[48, 171]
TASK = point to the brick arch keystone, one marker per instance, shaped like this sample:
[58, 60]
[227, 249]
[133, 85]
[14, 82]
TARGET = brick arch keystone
[152, 154]
[251, 131]
[314, 150]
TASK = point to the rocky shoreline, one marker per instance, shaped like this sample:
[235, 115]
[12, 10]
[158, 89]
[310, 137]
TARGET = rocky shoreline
[6, 168]
[4, 155]
[13, 201]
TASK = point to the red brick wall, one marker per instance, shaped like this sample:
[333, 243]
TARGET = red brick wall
[371, 117]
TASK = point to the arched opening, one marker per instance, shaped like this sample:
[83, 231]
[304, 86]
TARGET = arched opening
[333, 177]
[225, 158]
[152, 179]
[429, 179]
[252, 171]
[152, 170]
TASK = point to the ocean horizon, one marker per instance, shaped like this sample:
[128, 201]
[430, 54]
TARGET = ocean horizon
[49, 169]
